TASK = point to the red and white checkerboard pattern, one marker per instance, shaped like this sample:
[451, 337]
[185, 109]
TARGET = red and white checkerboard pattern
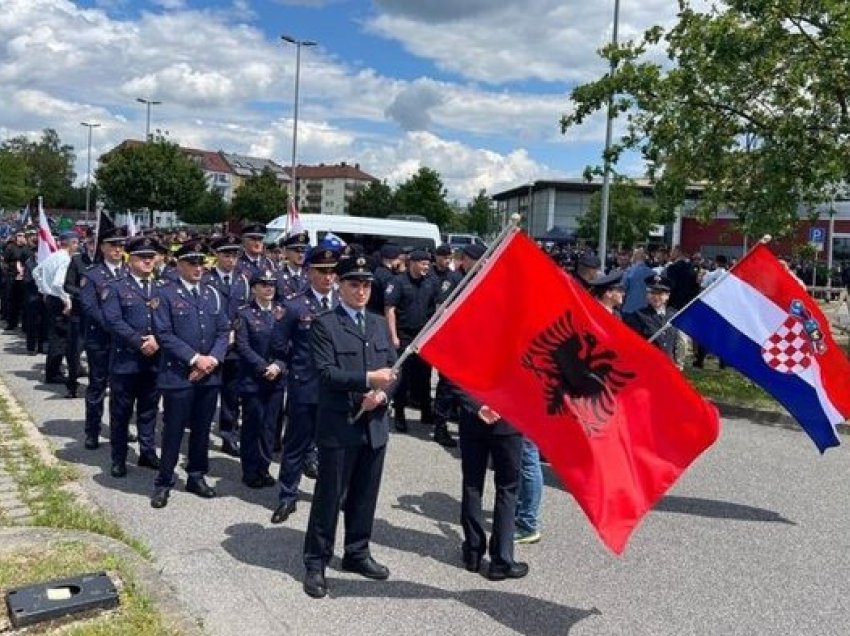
[788, 350]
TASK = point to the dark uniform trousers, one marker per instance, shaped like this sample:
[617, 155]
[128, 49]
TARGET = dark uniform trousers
[62, 338]
[478, 442]
[185, 326]
[126, 392]
[351, 452]
[415, 383]
[35, 319]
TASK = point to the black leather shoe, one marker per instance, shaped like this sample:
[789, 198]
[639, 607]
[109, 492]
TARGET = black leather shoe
[71, 394]
[472, 561]
[201, 488]
[442, 437]
[56, 379]
[400, 423]
[149, 461]
[268, 480]
[283, 511]
[311, 471]
[367, 567]
[119, 470]
[92, 442]
[254, 482]
[315, 585]
[160, 497]
[229, 447]
[515, 570]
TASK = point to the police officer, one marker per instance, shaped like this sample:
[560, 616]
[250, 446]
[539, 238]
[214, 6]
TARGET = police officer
[299, 452]
[15, 256]
[35, 312]
[253, 259]
[353, 357]
[234, 289]
[128, 304]
[442, 271]
[390, 263]
[292, 277]
[96, 332]
[655, 315]
[190, 324]
[410, 300]
[588, 268]
[609, 291]
[261, 378]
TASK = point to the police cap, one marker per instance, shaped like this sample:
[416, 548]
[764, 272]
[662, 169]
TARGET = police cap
[356, 268]
[322, 258]
[142, 246]
[474, 251]
[191, 250]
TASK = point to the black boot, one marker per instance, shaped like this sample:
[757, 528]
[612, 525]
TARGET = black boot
[442, 436]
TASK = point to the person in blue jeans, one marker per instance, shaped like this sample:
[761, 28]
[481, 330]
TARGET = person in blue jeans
[527, 518]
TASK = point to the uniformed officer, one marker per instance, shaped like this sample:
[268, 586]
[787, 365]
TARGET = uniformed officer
[128, 304]
[292, 277]
[234, 289]
[261, 378]
[190, 324]
[96, 332]
[609, 290]
[253, 259]
[655, 315]
[353, 356]
[588, 268]
[293, 336]
[410, 300]
[442, 271]
[35, 312]
[389, 267]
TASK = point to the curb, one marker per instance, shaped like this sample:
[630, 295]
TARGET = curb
[776, 419]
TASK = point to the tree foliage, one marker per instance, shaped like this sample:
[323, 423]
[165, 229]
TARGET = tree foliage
[14, 188]
[376, 200]
[631, 216]
[260, 198]
[754, 107]
[50, 165]
[480, 215]
[153, 175]
[423, 194]
[210, 210]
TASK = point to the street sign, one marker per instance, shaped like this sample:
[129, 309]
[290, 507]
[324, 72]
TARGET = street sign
[817, 237]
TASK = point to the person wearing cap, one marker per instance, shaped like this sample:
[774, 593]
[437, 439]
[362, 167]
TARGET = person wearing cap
[261, 378]
[410, 300]
[190, 323]
[292, 277]
[442, 271]
[15, 256]
[608, 290]
[650, 319]
[354, 358]
[390, 266]
[235, 291]
[253, 259]
[49, 276]
[588, 267]
[96, 333]
[293, 336]
[128, 303]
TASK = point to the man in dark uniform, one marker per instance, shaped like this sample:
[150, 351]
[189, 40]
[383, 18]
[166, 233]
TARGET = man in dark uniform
[684, 279]
[588, 267]
[292, 277]
[15, 257]
[128, 304]
[293, 336]
[190, 324]
[253, 259]
[410, 300]
[442, 271]
[390, 263]
[96, 331]
[354, 359]
[35, 312]
[609, 290]
[234, 289]
[655, 315]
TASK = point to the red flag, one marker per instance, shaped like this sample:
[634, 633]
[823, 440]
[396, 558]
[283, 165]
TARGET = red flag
[46, 242]
[616, 419]
[293, 221]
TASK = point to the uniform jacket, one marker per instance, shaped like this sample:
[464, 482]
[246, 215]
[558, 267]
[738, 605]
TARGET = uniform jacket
[289, 285]
[235, 295]
[246, 266]
[255, 329]
[343, 356]
[92, 286]
[128, 313]
[185, 327]
[647, 321]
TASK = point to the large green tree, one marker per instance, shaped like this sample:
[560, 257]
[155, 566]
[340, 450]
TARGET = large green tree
[376, 200]
[423, 194]
[210, 210]
[50, 165]
[481, 215]
[751, 105]
[260, 198]
[153, 175]
[14, 189]
[631, 216]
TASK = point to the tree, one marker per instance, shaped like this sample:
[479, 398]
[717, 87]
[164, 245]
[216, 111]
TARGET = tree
[153, 175]
[14, 191]
[260, 198]
[754, 108]
[631, 215]
[375, 200]
[480, 216]
[50, 165]
[424, 194]
[210, 210]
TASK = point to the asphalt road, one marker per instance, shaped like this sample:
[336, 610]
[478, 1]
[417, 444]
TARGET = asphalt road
[752, 540]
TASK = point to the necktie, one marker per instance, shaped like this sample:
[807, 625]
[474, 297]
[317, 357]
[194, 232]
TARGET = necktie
[146, 287]
[195, 294]
[361, 323]
[227, 280]
[326, 304]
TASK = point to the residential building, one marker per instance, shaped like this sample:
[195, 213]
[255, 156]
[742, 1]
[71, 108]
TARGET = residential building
[327, 189]
[244, 166]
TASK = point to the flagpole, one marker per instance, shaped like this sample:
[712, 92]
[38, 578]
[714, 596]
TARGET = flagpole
[764, 241]
[413, 347]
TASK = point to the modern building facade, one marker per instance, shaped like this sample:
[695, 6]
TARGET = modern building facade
[328, 189]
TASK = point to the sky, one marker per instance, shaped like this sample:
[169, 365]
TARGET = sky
[474, 89]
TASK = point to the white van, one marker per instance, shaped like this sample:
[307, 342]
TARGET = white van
[369, 233]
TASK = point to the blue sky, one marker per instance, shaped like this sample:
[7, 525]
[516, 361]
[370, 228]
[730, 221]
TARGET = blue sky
[471, 88]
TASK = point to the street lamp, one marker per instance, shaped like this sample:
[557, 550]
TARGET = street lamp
[148, 103]
[88, 167]
[606, 179]
[293, 182]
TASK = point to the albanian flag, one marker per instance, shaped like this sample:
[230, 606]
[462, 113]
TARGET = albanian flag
[616, 419]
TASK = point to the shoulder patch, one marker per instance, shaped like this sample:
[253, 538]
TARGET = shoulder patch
[389, 289]
[104, 294]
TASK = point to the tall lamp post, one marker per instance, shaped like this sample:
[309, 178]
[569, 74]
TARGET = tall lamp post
[88, 125]
[293, 181]
[606, 179]
[148, 103]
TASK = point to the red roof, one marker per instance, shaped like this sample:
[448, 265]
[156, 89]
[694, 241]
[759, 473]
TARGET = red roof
[211, 161]
[336, 171]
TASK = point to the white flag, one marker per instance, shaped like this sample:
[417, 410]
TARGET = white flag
[46, 242]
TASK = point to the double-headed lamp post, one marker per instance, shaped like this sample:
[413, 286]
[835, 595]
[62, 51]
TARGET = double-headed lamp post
[148, 103]
[88, 125]
[293, 182]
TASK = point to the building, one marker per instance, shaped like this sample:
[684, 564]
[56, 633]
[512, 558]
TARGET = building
[244, 166]
[327, 189]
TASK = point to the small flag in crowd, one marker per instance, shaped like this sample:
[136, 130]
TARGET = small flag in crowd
[104, 224]
[131, 225]
[24, 216]
[616, 419]
[46, 242]
[759, 319]
[294, 220]
[331, 241]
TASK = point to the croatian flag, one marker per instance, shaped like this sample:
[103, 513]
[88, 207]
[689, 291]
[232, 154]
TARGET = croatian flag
[293, 221]
[759, 319]
[46, 242]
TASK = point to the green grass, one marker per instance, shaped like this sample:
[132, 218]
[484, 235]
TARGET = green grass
[730, 387]
[136, 615]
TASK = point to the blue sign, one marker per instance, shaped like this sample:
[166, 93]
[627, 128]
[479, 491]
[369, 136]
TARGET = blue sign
[817, 235]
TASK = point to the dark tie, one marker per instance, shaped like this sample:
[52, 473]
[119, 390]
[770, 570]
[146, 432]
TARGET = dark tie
[361, 323]
[326, 305]
[195, 294]
[227, 280]
[146, 287]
